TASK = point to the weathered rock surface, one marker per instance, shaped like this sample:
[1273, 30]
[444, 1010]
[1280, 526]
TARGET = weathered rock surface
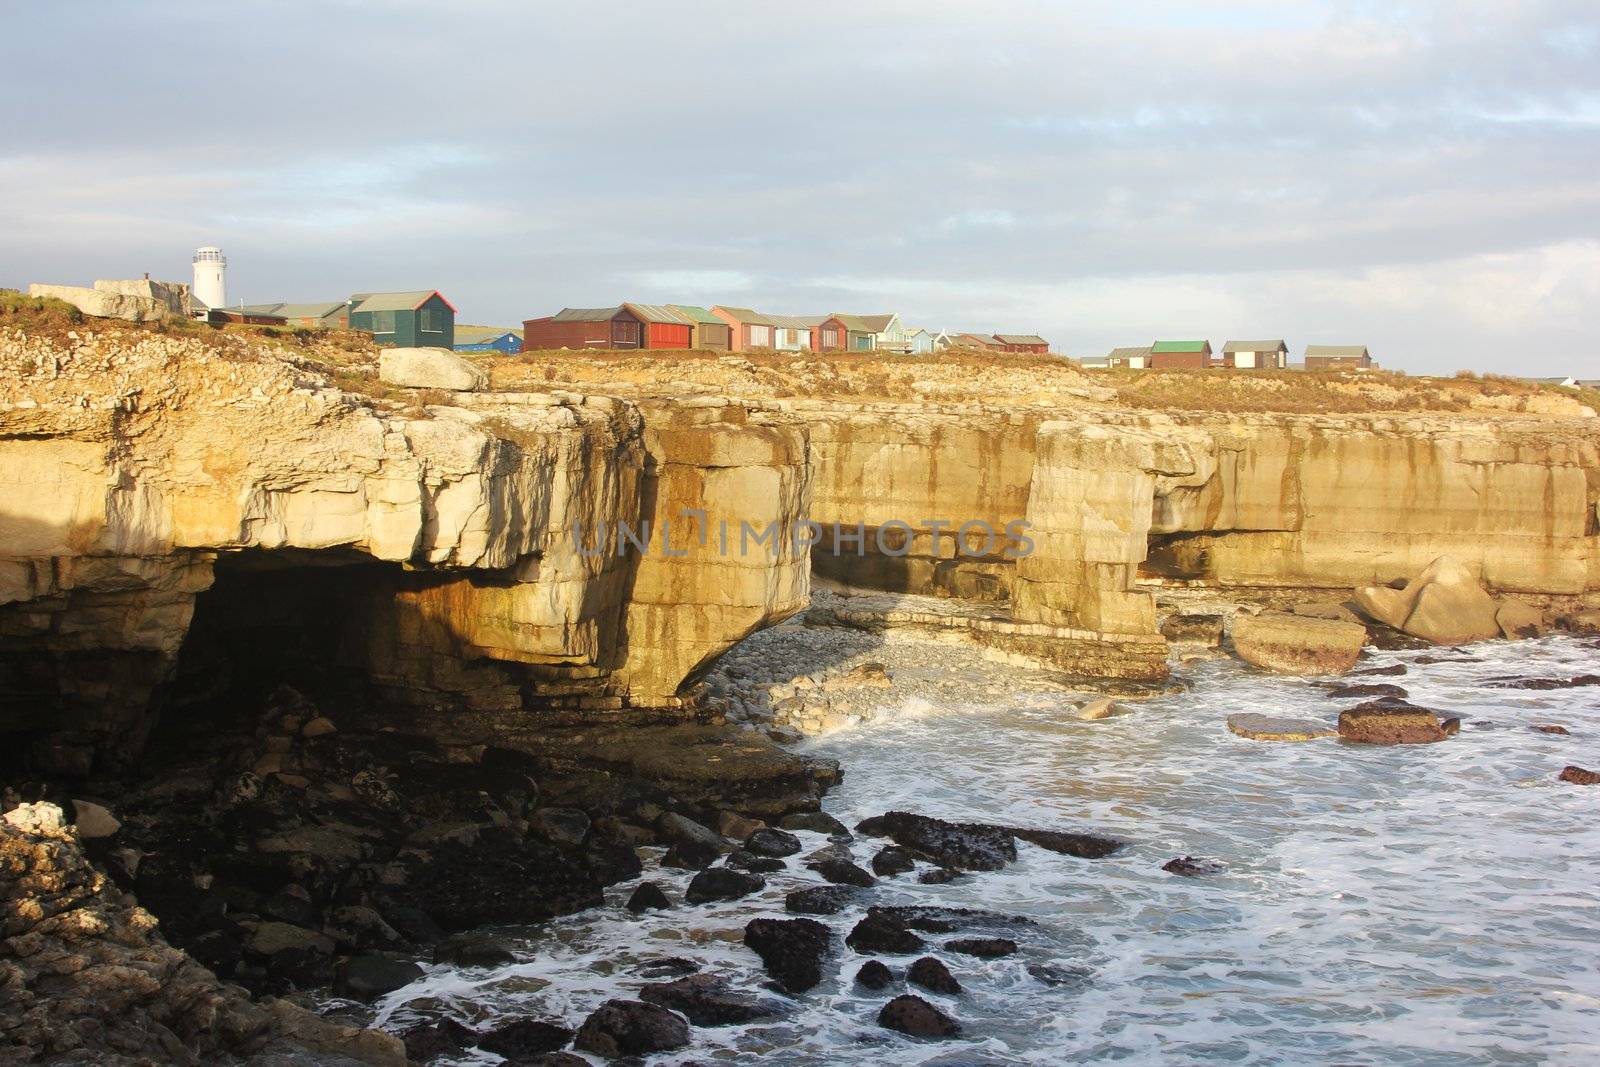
[429, 368]
[709, 1000]
[1579, 776]
[522, 1038]
[1443, 604]
[721, 883]
[931, 974]
[1518, 620]
[1278, 728]
[631, 1028]
[1294, 644]
[89, 977]
[914, 1016]
[791, 950]
[1390, 722]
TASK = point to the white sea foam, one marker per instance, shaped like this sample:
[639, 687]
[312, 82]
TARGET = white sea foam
[1430, 904]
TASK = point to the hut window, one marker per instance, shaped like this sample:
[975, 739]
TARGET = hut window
[383, 322]
[432, 321]
[760, 335]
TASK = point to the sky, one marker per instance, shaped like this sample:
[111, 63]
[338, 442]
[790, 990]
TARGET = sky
[1422, 178]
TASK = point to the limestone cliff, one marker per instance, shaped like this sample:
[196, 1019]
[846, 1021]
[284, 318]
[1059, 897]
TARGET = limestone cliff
[480, 551]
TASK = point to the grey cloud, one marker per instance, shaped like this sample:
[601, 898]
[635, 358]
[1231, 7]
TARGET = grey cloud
[1187, 164]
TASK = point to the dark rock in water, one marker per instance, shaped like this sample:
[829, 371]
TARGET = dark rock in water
[1579, 776]
[690, 856]
[791, 950]
[427, 1042]
[874, 974]
[988, 948]
[1427, 660]
[369, 977]
[818, 822]
[1189, 867]
[648, 897]
[471, 950]
[565, 827]
[931, 974]
[839, 850]
[916, 1017]
[667, 967]
[722, 883]
[1388, 639]
[891, 861]
[525, 1037]
[843, 872]
[1084, 846]
[822, 899]
[749, 861]
[708, 1001]
[1058, 975]
[1345, 692]
[1392, 670]
[878, 932]
[552, 1059]
[936, 920]
[1576, 682]
[1450, 726]
[612, 863]
[1552, 728]
[772, 843]
[939, 876]
[680, 828]
[964, 846]
[1390, 722]
[631, 1028]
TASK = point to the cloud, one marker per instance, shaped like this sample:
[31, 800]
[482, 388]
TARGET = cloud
[1100, 172]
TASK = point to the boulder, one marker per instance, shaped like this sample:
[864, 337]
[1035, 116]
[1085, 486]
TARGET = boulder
[933, 975]
[1390, 722]
[1518, 620]
[522, 1038]
[1099, 708]
[679, 829]
[916, 1017]
[648, 897]
[822, 899]
[749, 861]
[370, 977]
[1278, 728]
[1067, 843]
[891, 861]
[1292, 644]
[843, 872]
[722, 883]
[1579, 776]
[817, 822]
[1326, 610]
[690, 855]
[564, 827]
[736, 827]
[772, 843]
[986, 948]
[1193, 629]
[1190, 867]
[631, 1028]
[708, 1000]
[791, 950]
[962, 846]
[878, 932]
[874, 975]
[429, 368]
[93, 820]
[1444, 604]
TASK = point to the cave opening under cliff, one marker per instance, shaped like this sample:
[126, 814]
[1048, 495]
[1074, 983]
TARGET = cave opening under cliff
[272, 618]
[1180, 557]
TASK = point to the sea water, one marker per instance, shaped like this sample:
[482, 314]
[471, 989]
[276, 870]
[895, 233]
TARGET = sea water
[1420, 904]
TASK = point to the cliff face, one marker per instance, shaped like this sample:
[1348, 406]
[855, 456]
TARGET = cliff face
[478, 551]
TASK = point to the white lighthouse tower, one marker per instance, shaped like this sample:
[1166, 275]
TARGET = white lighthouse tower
[210, 277]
